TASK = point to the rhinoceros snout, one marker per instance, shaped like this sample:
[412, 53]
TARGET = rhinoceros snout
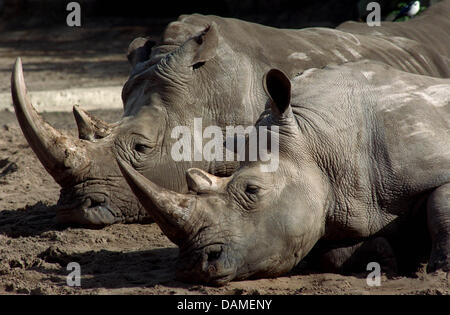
[209, 265]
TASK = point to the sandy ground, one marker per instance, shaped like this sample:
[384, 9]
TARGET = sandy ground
[120, 259]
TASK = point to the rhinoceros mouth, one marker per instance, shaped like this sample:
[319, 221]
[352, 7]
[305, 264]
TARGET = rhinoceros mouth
[86, 212]
[208, 264]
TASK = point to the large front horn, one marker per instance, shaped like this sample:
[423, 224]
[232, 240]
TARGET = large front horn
[62, 156]
[171, 210]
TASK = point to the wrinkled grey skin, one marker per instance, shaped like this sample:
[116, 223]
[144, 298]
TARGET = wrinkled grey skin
[361, 155]
[208, 67]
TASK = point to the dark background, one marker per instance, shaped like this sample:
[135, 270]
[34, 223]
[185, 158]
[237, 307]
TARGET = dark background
[17, 14]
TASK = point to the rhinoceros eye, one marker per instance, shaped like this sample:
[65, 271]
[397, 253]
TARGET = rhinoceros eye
[251, 189]
[141, 148]
[198, 65]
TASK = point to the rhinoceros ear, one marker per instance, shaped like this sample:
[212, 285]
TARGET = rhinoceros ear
[139, 50]
[203, 46]
[278, 88]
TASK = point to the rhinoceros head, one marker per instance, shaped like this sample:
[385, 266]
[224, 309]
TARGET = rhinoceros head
[252, 223]
[166, 90]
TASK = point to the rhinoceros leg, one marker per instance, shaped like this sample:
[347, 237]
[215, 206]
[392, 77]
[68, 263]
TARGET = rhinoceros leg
[356, 257]
[438, 215]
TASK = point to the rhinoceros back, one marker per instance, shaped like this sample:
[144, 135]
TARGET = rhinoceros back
[419, 46]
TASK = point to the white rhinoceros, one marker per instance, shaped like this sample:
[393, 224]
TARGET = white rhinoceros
[362, 156]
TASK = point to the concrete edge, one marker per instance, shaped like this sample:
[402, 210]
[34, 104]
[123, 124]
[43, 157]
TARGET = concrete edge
[63, 100]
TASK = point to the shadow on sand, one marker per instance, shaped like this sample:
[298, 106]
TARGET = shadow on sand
[29, 221]
[115, 269]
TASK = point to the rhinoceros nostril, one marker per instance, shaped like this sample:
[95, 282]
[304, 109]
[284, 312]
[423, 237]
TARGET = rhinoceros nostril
[214, 255]
[92, 202]
[95, 203]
